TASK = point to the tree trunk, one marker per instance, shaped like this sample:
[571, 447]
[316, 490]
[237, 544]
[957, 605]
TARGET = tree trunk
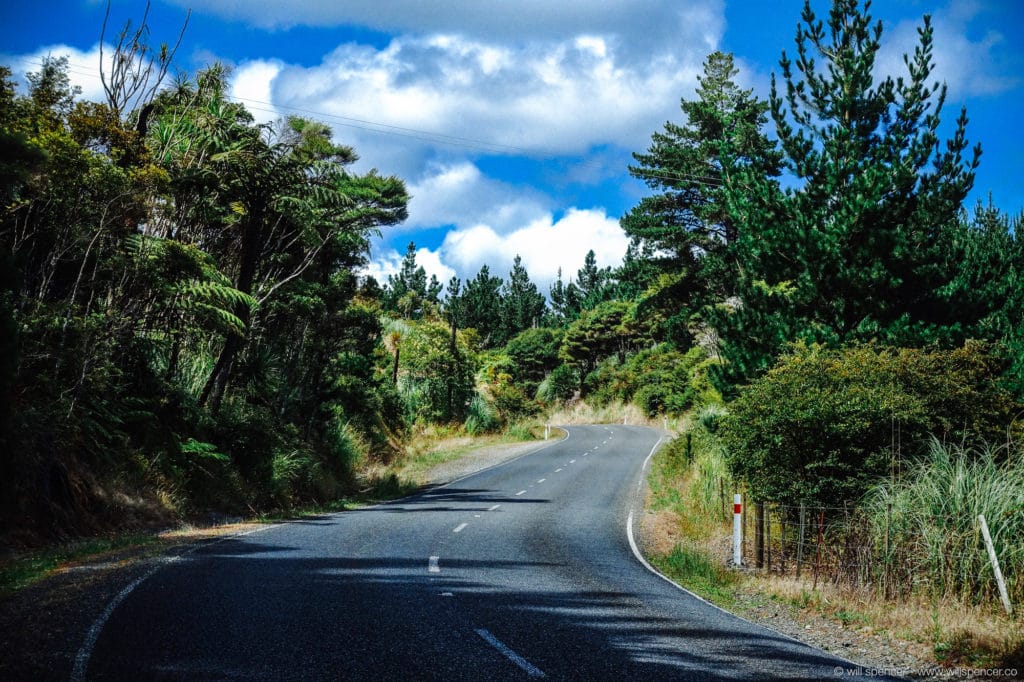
[216, 385]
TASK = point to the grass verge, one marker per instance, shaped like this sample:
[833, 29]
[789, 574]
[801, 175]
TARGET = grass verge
[688, 539]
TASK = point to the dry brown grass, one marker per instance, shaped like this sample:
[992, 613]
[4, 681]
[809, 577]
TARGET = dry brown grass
[945, 631]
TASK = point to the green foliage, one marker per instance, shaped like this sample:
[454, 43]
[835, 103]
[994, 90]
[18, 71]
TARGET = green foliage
[522, 305]
[438, 381]
[823, 425]
[862, 247]
[182, 291]
[560, 385]
[533, 353]
[481, 417]
[684, 236]
[929, 517]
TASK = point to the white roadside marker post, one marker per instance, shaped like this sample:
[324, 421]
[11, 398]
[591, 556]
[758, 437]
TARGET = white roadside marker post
[547, 431]
[737, 529]
[995, 565]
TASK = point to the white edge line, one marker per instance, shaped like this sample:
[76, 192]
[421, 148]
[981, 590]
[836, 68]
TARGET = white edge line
[640, 557]
[93, 634]
[636, 550]
[529, 668]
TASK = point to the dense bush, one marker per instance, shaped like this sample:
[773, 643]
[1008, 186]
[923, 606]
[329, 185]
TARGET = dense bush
[823, 425]
[559, 385]
[926, 523]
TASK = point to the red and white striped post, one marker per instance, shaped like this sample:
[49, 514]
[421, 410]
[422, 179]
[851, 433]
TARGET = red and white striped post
[737, 529]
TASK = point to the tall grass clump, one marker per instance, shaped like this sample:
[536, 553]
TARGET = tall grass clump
[925, 525]
[481, 417]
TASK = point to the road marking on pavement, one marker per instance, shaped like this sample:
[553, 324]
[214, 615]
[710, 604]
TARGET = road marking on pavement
[541, 480]
[476, 516]
[558, 469]
[93, 634]
[572, 461]
[447, 594]
[494, 507]
[521, 492]
[432, 564]
[529, 668]
[458, 528]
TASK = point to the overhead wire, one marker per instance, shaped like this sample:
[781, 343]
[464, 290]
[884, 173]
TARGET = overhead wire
[438, 138]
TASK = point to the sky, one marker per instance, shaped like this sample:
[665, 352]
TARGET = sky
[513, 123]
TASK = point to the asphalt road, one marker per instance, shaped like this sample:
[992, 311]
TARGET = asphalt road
[522, 570]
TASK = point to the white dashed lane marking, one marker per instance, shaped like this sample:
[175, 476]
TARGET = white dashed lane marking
[458, 528]
[521, 492]
[433, 565]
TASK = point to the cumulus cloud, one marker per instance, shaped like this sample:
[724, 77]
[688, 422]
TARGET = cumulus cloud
[484, 98]
[252, 82]
[83, 66]
[545, 245]
[640, 24]
[458, 194]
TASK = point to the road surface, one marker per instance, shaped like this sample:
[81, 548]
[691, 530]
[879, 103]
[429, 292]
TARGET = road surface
[522, 570]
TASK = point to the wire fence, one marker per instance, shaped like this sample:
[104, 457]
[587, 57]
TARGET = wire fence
[850, 547]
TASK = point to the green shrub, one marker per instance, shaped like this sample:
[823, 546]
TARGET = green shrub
[481, 417]
[929, 517]
[821, 424]
[560, 385]
[710, 417]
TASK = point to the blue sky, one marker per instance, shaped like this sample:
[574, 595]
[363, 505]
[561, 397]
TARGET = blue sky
[512, 123]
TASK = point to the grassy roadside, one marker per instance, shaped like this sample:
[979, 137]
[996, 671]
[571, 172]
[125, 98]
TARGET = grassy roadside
[375, 483]
[688, 539]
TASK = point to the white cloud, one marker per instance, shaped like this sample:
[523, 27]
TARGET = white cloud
[83, 67]
[390, 263]
[483, 98]
[252, 83]
[545, 245]
[459, 194]
[639, 24]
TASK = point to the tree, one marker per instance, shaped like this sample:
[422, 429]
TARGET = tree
[822, 425]
[610, 329]
[684, 236]
[863, 240]
[482, 307]
[522, 305]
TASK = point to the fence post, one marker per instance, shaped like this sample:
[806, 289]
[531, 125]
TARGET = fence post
[737, 529]
[817, 550]
[888, 550]
[800, 539]
[995, 565]
[768, 537]
[759, 534]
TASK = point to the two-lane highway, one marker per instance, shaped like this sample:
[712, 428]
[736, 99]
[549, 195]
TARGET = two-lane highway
[522, 570]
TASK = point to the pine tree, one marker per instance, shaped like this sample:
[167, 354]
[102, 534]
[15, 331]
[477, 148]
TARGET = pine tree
[522, 305]
[861, 247]
[683, 237]
[481, 305]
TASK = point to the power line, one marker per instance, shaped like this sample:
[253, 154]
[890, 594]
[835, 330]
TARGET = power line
[442, 138]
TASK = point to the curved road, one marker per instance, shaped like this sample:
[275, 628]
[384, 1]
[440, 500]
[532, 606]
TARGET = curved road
[522, 570]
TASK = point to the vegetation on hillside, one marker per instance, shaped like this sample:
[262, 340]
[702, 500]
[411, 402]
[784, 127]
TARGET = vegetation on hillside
[185, 322]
